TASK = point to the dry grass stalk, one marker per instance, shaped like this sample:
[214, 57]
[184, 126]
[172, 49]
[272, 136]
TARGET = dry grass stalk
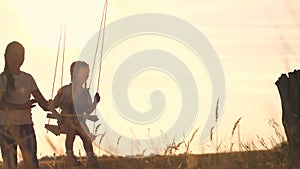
[262, 142]
[254, 146]
[235, 125]
[189, 141]
[217, 111]
[102, 136]
[51, 144]
[119, 140]
[211, 133]
[97, 127]
[246, 146]
[276, 127]
[216, 118]
[231, 146]
[143, 153]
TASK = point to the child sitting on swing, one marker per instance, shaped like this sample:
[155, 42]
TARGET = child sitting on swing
[76, 105]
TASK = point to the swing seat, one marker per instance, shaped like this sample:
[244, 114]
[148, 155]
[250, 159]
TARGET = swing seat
[56, 130]
[51, 116]
[53, 129]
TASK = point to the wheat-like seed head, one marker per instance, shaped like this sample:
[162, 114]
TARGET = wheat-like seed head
[235, 125]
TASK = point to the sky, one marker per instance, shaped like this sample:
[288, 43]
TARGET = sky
[255, 41]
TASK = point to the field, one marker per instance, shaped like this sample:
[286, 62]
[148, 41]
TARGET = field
[263, 159]
[249, 156]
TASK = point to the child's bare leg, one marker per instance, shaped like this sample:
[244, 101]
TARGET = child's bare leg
[69, 142]
[87, 142]
[92, 161]
[71, 159]
[70, 131]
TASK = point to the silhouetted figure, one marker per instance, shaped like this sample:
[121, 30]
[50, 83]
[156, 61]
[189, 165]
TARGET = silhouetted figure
[289, 89]
[16, 126]
[76, 106]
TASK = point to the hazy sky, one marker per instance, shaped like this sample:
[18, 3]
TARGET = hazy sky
[255, 41]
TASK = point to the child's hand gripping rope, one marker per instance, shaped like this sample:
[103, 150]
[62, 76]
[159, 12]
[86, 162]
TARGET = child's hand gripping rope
[97, 98]
[54, 112]
[88, 115]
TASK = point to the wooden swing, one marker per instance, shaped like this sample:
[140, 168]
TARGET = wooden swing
[55, 129]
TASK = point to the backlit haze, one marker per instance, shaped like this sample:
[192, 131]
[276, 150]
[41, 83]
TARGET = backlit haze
[255, 41]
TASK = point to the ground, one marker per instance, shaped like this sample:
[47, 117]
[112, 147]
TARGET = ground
[265, 159]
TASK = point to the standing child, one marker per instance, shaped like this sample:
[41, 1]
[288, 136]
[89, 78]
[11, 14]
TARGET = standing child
[16, 126]
[76, 106]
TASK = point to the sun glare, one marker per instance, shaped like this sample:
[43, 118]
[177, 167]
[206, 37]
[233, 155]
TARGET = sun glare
[44, 19]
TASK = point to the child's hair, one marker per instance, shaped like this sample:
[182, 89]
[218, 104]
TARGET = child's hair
[10, 79]
[76, 66]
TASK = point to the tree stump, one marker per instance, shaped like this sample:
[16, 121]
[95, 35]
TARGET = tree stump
[289, 90]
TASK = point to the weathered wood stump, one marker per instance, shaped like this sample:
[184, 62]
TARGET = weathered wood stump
[289, 90]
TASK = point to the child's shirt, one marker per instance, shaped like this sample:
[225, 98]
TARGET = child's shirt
[24, 85]
[72, 102]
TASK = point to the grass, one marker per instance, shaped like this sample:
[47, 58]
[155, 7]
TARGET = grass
[249, 155]
[276, 158]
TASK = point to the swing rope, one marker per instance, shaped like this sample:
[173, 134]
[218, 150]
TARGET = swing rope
[63, 57]
[63, 26]
[56, 62]
[98, 39]
[104, 14]
[101, 54]
[102, 25]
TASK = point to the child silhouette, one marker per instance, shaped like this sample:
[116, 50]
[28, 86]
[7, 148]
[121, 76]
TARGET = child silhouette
[76, 105]
[16, 126]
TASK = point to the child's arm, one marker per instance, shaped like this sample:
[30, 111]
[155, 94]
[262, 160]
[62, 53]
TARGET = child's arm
[92, 107]
[40, 99]
[54, 112]
[56, 101]
[54, 104]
